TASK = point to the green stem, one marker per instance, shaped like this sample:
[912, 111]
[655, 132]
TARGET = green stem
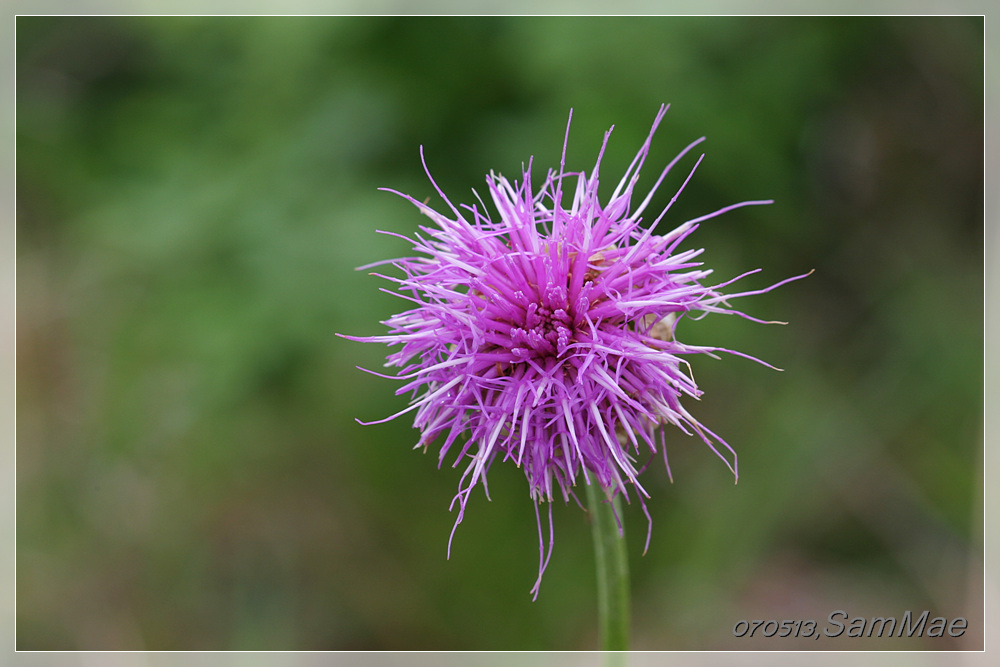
[612, 570]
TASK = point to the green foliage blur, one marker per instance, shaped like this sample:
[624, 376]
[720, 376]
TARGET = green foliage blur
[194, 194]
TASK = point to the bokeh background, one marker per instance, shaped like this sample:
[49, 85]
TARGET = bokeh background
[193, 195]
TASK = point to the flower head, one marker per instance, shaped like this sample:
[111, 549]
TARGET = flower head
[545, 334]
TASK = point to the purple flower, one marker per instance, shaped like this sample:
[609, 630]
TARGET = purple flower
[545, 335]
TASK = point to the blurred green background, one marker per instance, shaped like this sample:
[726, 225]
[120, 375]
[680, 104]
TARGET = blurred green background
[193, 197]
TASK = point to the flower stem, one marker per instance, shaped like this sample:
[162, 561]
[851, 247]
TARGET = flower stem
[612, 569]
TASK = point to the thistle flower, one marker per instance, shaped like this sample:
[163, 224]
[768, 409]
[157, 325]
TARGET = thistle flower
[545, 335]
